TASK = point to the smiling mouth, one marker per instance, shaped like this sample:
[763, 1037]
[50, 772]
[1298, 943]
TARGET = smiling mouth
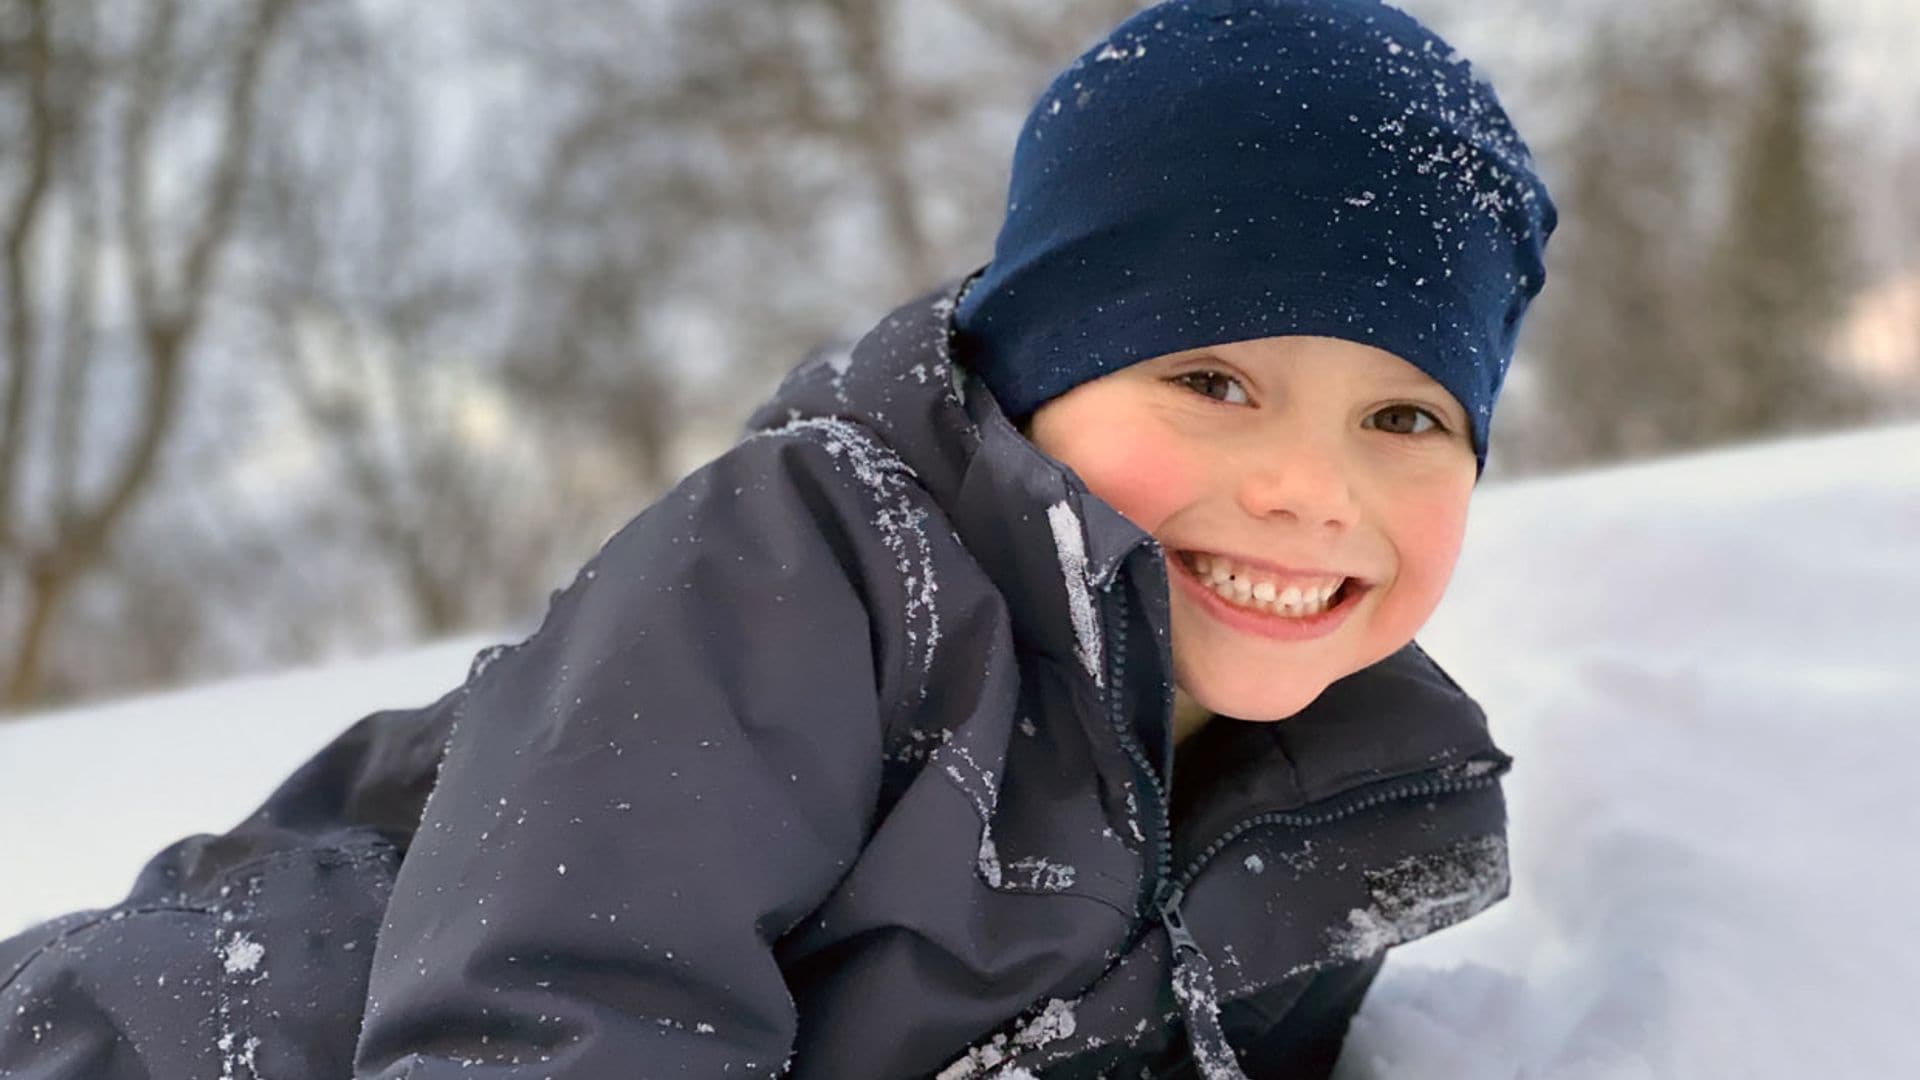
[1257, 589]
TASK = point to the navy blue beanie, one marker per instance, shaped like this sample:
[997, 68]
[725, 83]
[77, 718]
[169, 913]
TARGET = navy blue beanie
[1221, 170]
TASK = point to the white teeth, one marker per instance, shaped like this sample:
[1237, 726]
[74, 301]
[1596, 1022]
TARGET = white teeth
[1239, 588]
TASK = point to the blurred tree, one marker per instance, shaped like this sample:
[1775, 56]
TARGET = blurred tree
[376, 315]
[1621, 342]
[1900, 265]
[1781, 271]
[728, 185]
[453, 344]
[129, 163]
[1703, 255]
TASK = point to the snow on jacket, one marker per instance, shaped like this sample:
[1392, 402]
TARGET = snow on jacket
[848, 758]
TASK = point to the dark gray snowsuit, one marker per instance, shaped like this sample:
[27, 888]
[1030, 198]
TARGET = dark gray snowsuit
[846, 759]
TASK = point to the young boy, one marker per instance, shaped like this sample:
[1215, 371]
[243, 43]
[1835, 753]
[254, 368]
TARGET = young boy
[1031, 693]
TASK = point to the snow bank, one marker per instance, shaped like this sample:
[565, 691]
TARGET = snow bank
[1705, 668]
[87, 795]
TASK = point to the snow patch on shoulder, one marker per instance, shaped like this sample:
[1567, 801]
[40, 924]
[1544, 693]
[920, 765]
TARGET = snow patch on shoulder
[900, 520]
[1070, 542]
[982, 789]
[836, 359]
[1424, 893]
[1033, 873]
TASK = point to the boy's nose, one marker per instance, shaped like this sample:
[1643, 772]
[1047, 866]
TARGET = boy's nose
[1306, 482]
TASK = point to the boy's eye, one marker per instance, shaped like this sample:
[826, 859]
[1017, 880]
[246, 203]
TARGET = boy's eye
[1404, 420]
[1215, 385]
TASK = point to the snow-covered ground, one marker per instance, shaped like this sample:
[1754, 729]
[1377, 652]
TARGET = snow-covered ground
[1707, 671]
[87, 795]
[1706, 668]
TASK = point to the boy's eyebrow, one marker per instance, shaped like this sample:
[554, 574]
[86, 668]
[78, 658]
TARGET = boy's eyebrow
[1202, 353]
[1411, 382]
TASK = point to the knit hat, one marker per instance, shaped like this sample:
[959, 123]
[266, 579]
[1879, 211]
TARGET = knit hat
[1222, 170]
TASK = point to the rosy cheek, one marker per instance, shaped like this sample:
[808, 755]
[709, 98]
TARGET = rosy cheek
[1431, 539]
[1146, 481]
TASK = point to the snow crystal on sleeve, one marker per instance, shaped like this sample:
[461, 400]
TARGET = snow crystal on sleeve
[241, 959]
[1056, 1021]
[898, 518]
[1033, 872]
[1071, 544]
[983, 790]
[242, 955]
[989, 1060]
[1424, 893]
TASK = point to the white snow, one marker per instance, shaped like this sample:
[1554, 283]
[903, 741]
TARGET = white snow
[1055, 1022]
[87, 795]
[1413, 897]
[1704, 667]
[1070, 544]
[242, 955]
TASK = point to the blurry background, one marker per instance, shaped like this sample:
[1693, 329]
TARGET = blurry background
[327, 326]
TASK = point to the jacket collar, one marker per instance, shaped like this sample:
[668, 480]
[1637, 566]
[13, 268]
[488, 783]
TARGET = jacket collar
[1396, 719]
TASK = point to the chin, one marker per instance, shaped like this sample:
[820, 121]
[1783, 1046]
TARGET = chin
[1258, 704]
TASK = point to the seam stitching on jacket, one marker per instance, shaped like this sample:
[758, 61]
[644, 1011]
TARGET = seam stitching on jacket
[104, 915]
[341, 855]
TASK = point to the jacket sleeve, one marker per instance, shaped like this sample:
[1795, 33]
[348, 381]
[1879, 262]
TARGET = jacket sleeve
[640, 799]
[1304, 1040]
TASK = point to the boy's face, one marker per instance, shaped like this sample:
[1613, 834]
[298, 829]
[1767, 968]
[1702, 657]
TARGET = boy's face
[1287, 461]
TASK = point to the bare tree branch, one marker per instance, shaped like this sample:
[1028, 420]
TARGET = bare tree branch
[148, 91]
[168, 327]
[78, 337]
[42, 137]
[167, 322]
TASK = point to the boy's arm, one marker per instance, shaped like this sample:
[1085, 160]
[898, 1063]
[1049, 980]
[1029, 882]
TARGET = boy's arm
[639, 800]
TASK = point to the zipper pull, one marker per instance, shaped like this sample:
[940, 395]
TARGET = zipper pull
[1176, 922]
[1194, 992]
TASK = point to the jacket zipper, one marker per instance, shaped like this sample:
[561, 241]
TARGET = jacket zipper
[1144, 774]
[1192, 974]
[1422, 786]
[1172, 891]
[1194, 988]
